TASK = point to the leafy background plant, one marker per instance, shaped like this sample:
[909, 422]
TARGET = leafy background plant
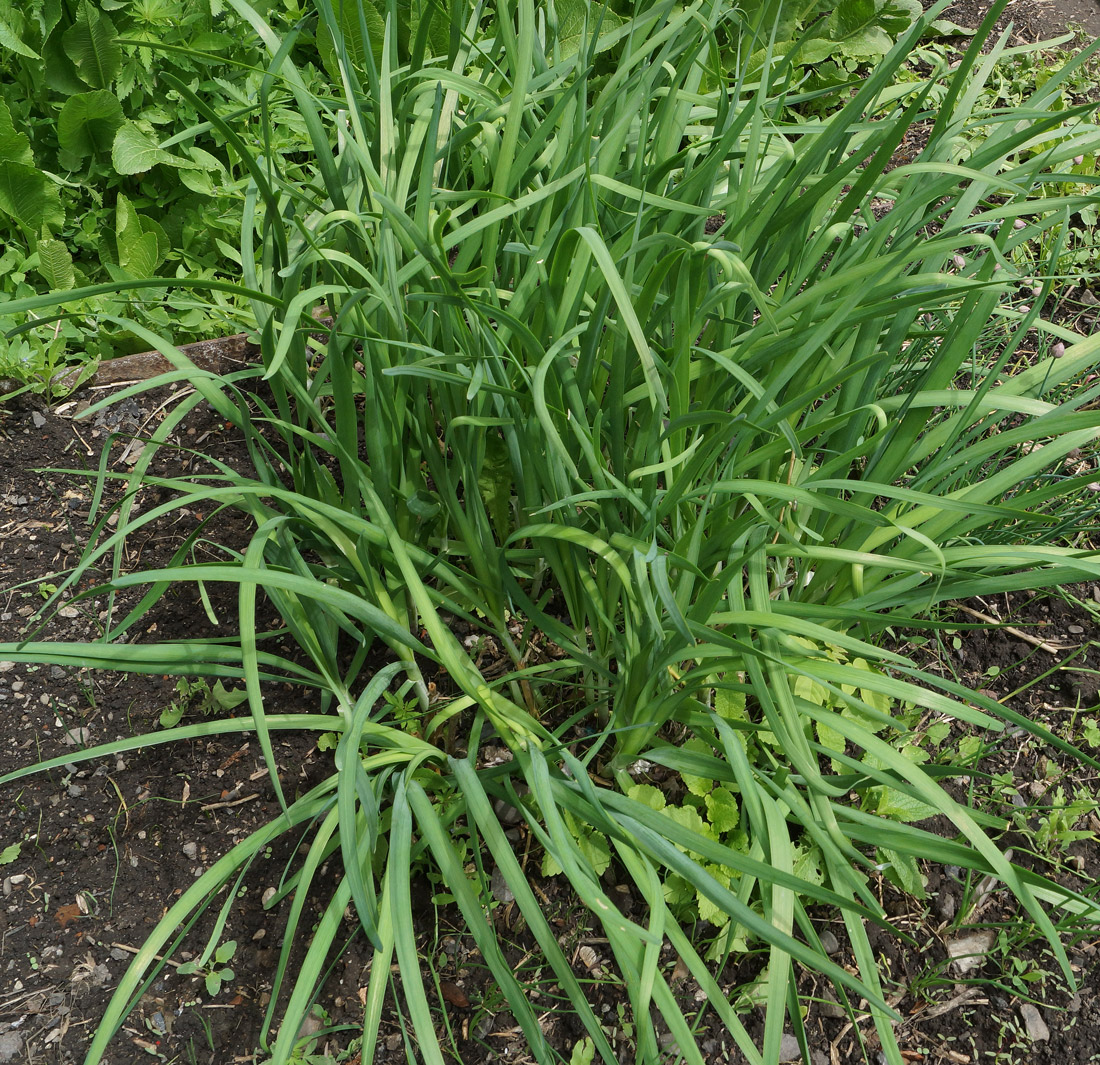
[106, 173]
[711, 461]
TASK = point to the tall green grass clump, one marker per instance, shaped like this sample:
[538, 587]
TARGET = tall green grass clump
[623, 361]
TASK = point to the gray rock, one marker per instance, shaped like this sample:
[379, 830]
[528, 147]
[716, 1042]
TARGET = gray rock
[945, 905]
[788, 1048]
[829, 942]
[507, 813]
[191, 850]
[830, 1007]
[1037, 1029]
[499, 887]
[11, 1046]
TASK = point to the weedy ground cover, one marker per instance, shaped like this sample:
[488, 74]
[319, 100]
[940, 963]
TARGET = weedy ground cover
[625, 358]
[109, 174]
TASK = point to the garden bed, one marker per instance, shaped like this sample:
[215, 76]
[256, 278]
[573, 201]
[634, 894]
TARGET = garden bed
[94, 854]
[100, 851]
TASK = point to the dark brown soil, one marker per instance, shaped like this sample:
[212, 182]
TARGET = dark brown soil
[1031, 20]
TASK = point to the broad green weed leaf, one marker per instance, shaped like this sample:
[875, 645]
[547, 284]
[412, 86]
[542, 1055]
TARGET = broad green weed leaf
[678, 893]
[807, 688]
[969, 747]
[653, 797]
[9, 39]
[592, 847]
[584, 1052]
[905, 870]
[722, 810]
[212, 42]
[135, 152]
[55, 264]
[697, 785]
[689, 817]
[709, 911]
[224, 699]
[898, 806]
[92, 44]
[9, 853]
[807, 865]
[829, 737]
[15, 146]
[30, 197]
[88, 123]
[137, 248]
[857, 29]
[198, 181]
[596, 849]
[731, 940]
[730, 704]
[572, 27]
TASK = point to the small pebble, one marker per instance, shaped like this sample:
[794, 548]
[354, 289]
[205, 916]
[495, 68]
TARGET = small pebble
[500, 889]
[830, 1007]
[788, 1048]
[191, 850]
[829, 942]
[11, 1046]
[1037, 1029]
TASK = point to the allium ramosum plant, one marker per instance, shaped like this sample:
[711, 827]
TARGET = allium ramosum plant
[623, 360]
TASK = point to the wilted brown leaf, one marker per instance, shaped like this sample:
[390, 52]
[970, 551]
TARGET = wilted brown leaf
[65, 915]
[454, 995]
